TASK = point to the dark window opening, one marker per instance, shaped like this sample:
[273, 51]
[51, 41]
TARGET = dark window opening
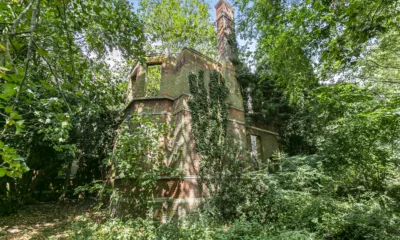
[133, 85]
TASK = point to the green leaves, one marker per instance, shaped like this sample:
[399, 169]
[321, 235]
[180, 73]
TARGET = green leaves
[11, 164]
[9, 90]
[303, 43]
[3, 172]
[177, 24]
[14, 115]
[68, 81]
[42, 52]
[139, 159]
[337, 65]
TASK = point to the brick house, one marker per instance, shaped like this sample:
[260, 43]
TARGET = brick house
[168, 100]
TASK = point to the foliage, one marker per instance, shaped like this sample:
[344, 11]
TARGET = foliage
[358, 135]
[300, 202]
[303, 201]
[303, 46]
[265, 103]
[153, 80]
[305, 42]
[13, 165]
[209, 125]
[138, 162]
[195, 228]
[174, 24]
[305, 198]
[326, 76]
[98, 190]
[209, 110]
[60, 96]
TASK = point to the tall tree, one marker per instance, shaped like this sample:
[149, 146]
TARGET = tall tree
[171, 25]
[302, 41]
[336, 64]
[60, 99]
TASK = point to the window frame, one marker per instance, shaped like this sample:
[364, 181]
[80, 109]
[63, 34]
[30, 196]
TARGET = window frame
[152, 64]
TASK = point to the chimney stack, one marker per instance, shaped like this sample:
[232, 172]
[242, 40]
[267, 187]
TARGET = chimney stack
[225, 30]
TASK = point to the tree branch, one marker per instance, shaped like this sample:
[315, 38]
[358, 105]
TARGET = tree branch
[57, 80]
[9, 56]
[2, 114]
[16, 21]
[28, 55]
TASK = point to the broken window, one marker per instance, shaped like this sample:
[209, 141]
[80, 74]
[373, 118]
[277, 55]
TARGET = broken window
[153, 80]
[256, 149]
[132, 87]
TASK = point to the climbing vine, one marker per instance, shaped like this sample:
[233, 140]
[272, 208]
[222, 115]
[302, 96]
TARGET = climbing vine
[209, 120]
[222, 163]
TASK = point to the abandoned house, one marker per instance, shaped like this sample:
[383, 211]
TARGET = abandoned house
[167, 97]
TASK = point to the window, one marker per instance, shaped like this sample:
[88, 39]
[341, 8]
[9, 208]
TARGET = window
[153, 80]
[256, 149]
[132, 87]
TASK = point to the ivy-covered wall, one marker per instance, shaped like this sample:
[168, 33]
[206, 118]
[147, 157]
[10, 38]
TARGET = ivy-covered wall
[202, 100]
[175, 73]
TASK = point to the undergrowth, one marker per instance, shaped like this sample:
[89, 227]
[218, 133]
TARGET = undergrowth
[301, 201]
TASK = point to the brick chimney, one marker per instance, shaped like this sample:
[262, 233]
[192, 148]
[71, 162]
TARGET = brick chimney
[225, 28]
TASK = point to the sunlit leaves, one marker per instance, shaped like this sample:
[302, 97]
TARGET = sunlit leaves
[70, 93]
[299, 41]
[139, 156]
[12, 165]
[174, 24]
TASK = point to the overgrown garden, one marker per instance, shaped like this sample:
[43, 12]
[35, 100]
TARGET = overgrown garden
[325, 73]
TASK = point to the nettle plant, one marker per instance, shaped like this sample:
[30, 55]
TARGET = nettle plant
[138, 160]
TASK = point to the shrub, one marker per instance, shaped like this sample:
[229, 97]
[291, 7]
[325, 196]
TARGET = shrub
[301, 200]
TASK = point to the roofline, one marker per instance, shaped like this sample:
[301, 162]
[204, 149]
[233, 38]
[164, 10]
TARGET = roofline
[201, 55]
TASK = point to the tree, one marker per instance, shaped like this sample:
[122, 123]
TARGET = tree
[336, 65]
[171, 25]
[60, 97]
[303, 42]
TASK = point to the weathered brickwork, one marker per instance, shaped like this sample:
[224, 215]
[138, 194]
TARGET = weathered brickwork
[171, 106]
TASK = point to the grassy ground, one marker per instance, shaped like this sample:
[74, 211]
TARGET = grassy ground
[46, 220]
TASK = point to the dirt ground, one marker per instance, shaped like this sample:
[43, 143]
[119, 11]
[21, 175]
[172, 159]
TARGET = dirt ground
[46, 220]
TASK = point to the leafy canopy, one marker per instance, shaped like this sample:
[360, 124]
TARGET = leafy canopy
[171, 25]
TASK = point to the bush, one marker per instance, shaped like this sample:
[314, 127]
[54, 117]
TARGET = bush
[304, 201]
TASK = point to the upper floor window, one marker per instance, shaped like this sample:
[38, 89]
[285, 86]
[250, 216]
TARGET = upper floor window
[153, 80]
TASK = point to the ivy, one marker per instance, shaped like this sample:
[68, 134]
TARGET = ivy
[209, 120]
